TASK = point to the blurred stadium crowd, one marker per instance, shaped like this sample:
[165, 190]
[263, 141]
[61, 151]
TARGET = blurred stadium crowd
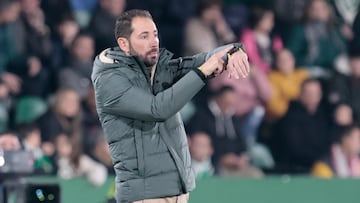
[297, 113]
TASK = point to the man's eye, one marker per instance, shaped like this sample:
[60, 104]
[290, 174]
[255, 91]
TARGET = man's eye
[144, 37]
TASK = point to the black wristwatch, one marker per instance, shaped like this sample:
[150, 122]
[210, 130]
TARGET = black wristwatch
[226, 57]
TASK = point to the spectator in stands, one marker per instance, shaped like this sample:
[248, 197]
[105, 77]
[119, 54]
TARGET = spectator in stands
[10, 45]
[305, 129]
[285, 81]
[288, 13]
[31, 140]
[220, 122]
[201, 151]
[96, 146]
[71, 162]
[55, 11]
[32, 48]
[208, 29]
[318, 41]
[261, 44]
[34, 33]
[342, 116]
[346, 89]
[343, 159]
[9, 141]
[346, 10]
[82, 10]
[32, 74]
[170, 17]
[205, 31]
[9, 13]
[103, 21]
[77, 74]
[66, 30]
[63, 117]
[251, 95]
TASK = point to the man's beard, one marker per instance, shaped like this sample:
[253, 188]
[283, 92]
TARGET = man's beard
[148, 61]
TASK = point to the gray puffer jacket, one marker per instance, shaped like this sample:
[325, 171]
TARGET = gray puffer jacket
[144, 130]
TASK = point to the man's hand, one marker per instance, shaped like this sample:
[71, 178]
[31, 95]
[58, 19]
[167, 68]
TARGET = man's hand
[215, 64]
[238, 65]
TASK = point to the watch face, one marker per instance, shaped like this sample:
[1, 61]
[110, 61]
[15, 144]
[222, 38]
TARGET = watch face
[43, 193]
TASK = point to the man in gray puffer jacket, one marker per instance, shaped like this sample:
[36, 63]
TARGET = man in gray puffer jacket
[139, 90]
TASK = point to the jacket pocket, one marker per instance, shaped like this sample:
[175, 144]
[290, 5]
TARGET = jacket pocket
[139, 147]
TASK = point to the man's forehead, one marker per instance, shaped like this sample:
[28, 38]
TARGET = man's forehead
[143, 24]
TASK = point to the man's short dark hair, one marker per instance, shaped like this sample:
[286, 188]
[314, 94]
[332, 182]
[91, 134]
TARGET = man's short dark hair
[123, 26]
[308, 81]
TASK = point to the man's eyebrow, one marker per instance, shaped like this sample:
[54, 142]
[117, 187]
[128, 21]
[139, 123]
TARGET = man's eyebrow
[145, 32]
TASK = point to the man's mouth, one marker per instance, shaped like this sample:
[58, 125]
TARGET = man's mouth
[153, 52]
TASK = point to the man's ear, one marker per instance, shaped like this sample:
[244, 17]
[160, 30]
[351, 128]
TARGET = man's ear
[124, 45]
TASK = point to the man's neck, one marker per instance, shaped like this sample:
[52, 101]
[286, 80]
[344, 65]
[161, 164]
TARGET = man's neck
[152, 73]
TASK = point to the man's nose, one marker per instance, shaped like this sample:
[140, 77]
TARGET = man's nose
[155, 42]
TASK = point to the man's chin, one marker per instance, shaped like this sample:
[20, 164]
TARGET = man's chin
[151, 62]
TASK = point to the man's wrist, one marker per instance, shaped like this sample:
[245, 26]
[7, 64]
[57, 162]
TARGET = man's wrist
[200, 72]
[201, 68]
[228, 54]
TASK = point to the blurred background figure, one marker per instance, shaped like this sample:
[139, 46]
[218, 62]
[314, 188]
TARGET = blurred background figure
[251, 94]
[9, 13]
[288, 13]
[346, 89]
[219, 121]
[96, 147]
[201, 151]
[9, 141]
[346, 11]
[31, 140]
[171, 18]
[304, 129]
[208, 29]
[285, 81]
[35, 33]
[63, 36]
[318, 41]
[343, 159]
[82, 10]
[55, 11]
[77, 73]
[260, 41]
[342, 116]
[64, 117]
[71, 162]
[102, 24]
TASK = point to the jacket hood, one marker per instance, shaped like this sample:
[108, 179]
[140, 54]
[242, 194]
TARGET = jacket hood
[111, 57]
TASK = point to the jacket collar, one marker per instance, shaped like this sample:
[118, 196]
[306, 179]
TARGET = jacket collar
[117, 55]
